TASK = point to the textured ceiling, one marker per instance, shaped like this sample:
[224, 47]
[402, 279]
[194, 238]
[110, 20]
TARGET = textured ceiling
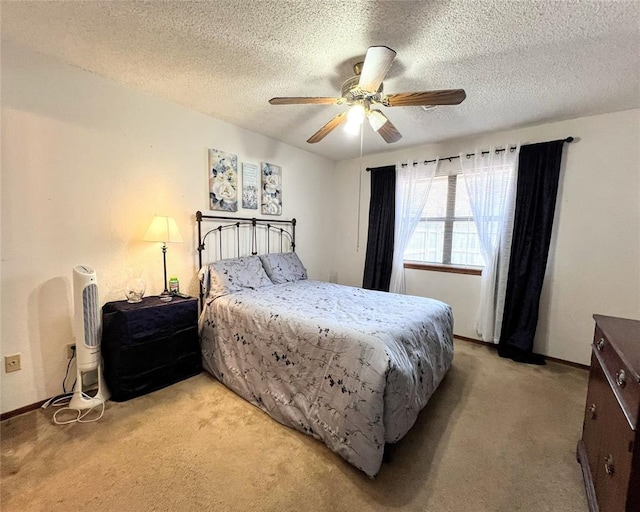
[521, 63]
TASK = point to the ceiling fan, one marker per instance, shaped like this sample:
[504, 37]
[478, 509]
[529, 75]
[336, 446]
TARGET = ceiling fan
[364, 90]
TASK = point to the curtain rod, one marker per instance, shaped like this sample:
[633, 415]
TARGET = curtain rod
[469, 155]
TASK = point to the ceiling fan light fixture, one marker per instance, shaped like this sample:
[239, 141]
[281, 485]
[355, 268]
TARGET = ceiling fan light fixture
[355, 116]
[376, 119]
[352, 128]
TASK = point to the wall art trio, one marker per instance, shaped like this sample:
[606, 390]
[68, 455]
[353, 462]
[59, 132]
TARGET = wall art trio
[223, 184]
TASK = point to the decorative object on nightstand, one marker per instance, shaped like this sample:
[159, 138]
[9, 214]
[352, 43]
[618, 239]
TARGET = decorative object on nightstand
[174, 285]
[165, 230]
[134, 290]
[149, 345]
[609, 451]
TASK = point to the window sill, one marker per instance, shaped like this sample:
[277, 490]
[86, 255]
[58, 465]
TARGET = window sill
[435, 267]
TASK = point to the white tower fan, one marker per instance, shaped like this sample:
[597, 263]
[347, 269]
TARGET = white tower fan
[88, 330]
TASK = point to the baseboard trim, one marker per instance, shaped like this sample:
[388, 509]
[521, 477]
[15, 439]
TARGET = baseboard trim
[22, 410]
[474, 340]
[548, 358]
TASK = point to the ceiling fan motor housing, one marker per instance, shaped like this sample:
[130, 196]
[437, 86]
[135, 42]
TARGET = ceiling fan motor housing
[351, 91]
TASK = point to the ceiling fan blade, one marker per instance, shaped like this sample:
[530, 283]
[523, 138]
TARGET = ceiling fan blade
[409, 99]
[390, 133]
[381, 124]
[327, 128]
[376, 65]
[302, 100]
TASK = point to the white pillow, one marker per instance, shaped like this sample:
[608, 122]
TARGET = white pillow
[283, 267]
[232, 275]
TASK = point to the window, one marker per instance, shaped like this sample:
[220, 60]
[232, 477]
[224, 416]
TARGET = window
[446, 232]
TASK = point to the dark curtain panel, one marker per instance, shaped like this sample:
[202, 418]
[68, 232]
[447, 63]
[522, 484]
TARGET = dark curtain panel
[538, 175]
[382, 215]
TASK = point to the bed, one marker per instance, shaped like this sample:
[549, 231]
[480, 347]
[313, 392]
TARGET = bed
[350, 367]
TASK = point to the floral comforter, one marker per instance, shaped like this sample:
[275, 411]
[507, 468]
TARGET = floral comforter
[351, 367]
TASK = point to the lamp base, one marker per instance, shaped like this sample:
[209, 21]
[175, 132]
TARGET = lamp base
[165, 295]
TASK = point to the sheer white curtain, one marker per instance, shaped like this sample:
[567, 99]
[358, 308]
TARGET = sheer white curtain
[491, 185]
[412, 188]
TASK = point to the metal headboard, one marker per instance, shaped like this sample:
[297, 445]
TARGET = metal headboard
[247, 236]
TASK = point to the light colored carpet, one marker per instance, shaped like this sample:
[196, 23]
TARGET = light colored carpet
[496, 436]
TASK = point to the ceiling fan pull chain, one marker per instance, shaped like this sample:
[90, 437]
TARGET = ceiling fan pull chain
[359, 188]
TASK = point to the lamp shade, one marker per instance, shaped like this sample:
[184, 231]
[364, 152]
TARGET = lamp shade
[163, 229]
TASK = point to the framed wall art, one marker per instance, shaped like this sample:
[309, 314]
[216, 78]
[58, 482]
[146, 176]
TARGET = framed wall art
[271, 189]
[249, 186]
[223, 181]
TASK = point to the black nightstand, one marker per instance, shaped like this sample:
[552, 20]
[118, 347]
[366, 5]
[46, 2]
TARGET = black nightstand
[149, 345]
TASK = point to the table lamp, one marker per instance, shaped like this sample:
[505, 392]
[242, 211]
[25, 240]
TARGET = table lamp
[165, 230]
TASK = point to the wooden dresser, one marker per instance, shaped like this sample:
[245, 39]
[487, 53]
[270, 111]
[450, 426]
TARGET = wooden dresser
[609, 451]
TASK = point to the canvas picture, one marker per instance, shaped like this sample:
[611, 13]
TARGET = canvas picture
[250, 186]
[223, 181]
[271, 189]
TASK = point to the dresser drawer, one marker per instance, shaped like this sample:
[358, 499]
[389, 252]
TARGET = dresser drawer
[614, 460]
[621, 378]
[595, 415]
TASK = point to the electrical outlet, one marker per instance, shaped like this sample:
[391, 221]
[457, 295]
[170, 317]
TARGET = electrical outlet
[12, 363]
[71, 349]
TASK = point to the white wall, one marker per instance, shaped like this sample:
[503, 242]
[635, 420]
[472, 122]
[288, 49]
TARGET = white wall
[86, 163]
[594, 260]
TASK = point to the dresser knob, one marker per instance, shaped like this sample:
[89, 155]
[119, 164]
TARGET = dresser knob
[600, 344]
[608, 464]
[621, 378]
[592, 410]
